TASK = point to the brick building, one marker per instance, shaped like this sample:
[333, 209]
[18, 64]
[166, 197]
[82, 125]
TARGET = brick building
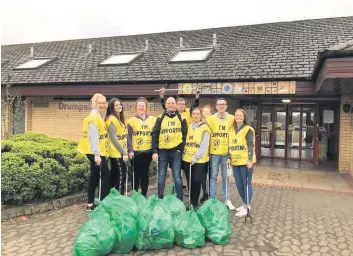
[294, 79]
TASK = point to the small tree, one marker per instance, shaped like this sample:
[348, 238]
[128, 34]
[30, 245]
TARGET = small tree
[12, 107]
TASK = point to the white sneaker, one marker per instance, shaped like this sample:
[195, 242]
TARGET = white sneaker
[230, 205]
[241, 207]
[242, 213]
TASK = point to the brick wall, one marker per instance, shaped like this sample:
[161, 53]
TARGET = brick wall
[58, 120]
[346, 137]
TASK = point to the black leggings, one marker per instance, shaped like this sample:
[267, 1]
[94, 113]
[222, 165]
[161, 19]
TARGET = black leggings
[204, 179]
[197, 174]
[141, 164]
[118, 174]
[93, 182]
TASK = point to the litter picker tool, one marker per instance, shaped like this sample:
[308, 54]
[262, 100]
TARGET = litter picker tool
[247, 197]
[126, 175]
[227, 182]
[190, 186]
[100, 182]
[157, 175]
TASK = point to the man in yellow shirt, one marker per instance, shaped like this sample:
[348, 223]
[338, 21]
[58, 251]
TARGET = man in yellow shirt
[220, 124]
[168, 140]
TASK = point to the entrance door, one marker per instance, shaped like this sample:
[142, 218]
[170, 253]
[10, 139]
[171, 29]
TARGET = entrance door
[289, 132]
[301, 137]
[273, 131]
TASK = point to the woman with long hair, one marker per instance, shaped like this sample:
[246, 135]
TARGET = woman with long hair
[206, 111]
[117, 139]
[139, 143]
[94, 144]
[242, 158]
[196, 154]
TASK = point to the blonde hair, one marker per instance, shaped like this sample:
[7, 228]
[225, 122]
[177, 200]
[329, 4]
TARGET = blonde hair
[209, 107]
[142, 99]
[95, 98]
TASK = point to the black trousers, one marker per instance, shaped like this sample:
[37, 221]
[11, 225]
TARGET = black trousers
[141, 164]
[118, 174]
[93, 181]
[204, 179]
[197, 174]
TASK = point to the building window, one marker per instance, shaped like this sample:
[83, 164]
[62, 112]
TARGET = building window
[121, 59]
[192, 55]
[35, 63]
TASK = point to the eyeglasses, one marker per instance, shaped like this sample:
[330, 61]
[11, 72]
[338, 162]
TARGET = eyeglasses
[222, 105]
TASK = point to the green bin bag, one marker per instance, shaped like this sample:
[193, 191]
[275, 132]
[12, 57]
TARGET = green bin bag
[139, 199]
[214, 217]
[125, 228]
[188, 231]
[95, 238]
[154, 226]
[116, 203]
[172, 203]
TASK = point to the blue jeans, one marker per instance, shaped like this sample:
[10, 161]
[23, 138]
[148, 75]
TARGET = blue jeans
[240, 181]
[173, 158]
[217, 160]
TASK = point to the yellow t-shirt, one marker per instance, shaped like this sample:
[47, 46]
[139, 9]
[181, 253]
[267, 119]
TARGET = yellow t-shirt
[84, 145]
[193, 142]
[121, 134]
[238, 149]
[170, 135]
[219, 133]
[142, 132]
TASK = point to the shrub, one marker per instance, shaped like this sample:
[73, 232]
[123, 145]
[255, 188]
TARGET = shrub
[36, 167]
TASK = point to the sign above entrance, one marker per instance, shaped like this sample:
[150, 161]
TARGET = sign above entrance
[241, 88]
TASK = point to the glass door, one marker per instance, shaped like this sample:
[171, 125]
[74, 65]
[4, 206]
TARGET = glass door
[307, 133]
[273, 131]
[279, 131]
[293, 138]
[301, 132]
[289, 132]
[266, 131]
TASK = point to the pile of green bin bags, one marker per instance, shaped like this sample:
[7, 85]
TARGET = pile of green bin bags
[120, 223]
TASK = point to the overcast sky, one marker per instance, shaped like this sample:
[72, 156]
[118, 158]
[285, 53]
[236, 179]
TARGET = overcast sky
[25, 21]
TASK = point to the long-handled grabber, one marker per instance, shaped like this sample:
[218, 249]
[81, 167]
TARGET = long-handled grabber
[247, 197]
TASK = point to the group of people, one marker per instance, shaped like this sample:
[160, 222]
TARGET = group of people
[194, 141]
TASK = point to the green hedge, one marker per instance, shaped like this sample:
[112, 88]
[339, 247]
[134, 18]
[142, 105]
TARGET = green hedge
[36, 167]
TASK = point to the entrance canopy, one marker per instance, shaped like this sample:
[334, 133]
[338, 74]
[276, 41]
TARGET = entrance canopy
[334, 70]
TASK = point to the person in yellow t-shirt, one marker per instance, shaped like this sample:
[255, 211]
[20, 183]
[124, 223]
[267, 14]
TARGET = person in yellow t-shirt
[94, 144]
[185, 114]
[242, 157]
[117, 137]
[139, 144]
[220, 124]
[206, 111]
[196, 154]
[168, 140]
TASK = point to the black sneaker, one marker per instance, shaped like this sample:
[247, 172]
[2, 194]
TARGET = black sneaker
[204, 198]
[90, 208]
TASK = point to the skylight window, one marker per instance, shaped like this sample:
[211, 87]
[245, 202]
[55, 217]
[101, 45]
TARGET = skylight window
[191, 55]
[35, 63]
[121, 58]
